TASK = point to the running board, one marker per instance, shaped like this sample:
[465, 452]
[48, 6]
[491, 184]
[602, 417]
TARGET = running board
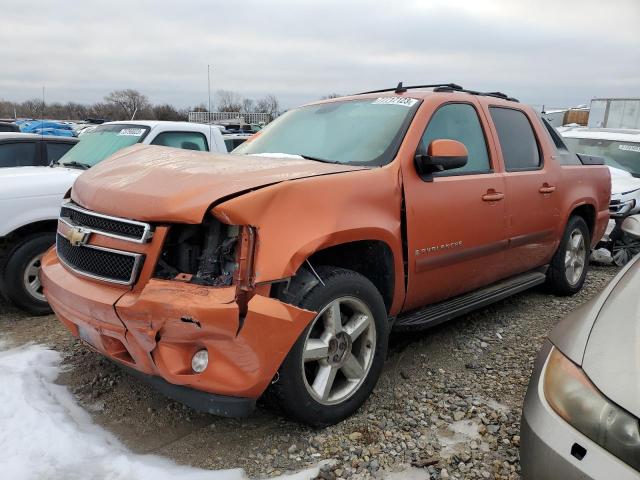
[446, 310]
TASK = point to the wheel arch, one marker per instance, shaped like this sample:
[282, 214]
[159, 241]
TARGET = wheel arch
[373, 259]
[13, 237]
[587, 212]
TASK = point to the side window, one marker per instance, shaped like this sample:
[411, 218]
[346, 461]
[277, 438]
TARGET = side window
[459, 121]
[184, 140]
[57, 150]
[555, 136]
[21, 154]
[517, 140]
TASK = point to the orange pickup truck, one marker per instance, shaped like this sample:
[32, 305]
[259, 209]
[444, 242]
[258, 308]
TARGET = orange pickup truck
[285, 265]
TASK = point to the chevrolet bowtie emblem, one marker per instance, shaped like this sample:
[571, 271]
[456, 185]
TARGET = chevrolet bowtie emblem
[77, 236]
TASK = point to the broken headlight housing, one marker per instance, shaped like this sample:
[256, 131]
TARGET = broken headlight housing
[212, 253]
[572, 396]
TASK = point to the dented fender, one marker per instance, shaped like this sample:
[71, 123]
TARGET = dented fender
[295, 219]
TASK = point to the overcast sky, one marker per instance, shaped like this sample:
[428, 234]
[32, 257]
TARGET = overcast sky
[556, 52]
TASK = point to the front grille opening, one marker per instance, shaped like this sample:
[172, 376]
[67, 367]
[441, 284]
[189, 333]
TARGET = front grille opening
[102, 264]
[203, 254]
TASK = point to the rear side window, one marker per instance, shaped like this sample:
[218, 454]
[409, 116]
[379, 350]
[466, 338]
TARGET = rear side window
[232, 143]
[459, 121]
[21, 154]
[57, 150]
[184, 140]
[517, 140]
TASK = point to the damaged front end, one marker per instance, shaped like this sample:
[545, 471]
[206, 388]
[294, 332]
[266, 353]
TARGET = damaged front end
[195, 292]
[208, 254]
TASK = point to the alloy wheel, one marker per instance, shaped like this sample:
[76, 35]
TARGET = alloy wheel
[339, 350]
[575, 256]
[31, 278]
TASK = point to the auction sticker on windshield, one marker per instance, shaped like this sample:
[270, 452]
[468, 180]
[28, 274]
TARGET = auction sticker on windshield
[131, 132]
[629, 148]
[406, 102]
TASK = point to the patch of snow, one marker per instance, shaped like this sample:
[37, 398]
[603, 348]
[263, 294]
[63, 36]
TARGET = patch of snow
[496, 406]
[457, 433]
[276, 155]
[45, 434]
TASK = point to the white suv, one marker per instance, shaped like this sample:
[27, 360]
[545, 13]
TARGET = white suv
[30, 197]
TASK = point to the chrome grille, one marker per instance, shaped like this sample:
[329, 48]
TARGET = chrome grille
[122, 228]
[98, 262]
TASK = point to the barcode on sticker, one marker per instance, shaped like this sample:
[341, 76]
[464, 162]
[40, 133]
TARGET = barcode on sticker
[131, 132]
[629, 148]
[407, 102]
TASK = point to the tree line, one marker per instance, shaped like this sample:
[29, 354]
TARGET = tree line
[131, 104]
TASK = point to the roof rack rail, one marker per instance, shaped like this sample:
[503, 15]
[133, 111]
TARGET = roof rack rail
[442, 87]
[401, 89]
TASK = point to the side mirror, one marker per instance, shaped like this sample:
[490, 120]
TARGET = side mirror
[631, 226]
[440, 155]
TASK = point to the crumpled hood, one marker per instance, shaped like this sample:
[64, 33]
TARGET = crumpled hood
[622, 181]
[612, 354]
[21, 182]
[160, 184]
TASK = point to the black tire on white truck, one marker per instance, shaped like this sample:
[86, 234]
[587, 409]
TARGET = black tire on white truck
[20, 281]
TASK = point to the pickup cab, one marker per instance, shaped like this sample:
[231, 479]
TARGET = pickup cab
[30, 196]
[286, 265]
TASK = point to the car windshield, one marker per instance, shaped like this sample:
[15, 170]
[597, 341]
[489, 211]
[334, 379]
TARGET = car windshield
[356, 132]
[622, 155]
[102, 142]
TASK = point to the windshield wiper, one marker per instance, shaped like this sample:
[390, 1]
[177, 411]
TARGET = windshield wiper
[307, 157]
[74, 164]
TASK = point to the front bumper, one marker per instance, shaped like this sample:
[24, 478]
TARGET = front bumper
[547, 441]
[155, 329]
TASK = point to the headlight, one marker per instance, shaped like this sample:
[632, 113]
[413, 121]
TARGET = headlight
[572, 396]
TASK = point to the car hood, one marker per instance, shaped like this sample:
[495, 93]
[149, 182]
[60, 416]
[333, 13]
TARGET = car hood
[612, 355]
[603, 336]
[160, 184]
[622, 181]
[20, 182]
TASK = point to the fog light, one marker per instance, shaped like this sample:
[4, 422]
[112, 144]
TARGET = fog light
[199, 361]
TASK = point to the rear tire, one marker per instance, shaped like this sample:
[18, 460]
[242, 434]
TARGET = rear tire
[20, 275]
[334, 365]
[568, 269]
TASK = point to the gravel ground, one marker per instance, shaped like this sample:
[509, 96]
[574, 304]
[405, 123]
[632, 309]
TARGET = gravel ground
[447, 405]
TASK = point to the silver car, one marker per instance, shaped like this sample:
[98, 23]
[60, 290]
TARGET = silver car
[581, 413]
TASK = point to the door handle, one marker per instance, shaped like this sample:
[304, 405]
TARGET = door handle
[492, 196]
[546, 188]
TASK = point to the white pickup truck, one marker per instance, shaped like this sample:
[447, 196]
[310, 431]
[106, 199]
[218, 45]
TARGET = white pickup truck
[30, 197]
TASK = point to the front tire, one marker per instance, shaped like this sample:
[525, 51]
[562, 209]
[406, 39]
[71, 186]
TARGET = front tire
[334, 365]
[21, 273]
[568, 269]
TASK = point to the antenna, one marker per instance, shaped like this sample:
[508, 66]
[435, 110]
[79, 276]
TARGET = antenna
[209, 107]
[42, 116]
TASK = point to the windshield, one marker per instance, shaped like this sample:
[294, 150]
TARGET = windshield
[102, 142]
[357, 132]
[622, 155]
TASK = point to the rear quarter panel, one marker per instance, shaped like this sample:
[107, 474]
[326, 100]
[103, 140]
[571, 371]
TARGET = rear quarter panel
[586, 185]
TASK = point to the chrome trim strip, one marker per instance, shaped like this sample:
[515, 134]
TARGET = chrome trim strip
[146, 235]
[134, 271]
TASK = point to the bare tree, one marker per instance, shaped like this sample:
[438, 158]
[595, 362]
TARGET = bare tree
[270, 105]
[228, 101]
[167, 112]
[129, 100]
[247, 105]
[32, 108]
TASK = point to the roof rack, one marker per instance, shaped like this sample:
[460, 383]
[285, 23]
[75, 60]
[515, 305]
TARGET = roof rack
[442, 87]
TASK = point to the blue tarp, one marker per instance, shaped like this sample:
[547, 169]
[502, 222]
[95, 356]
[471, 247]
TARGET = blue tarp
[46, 127]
